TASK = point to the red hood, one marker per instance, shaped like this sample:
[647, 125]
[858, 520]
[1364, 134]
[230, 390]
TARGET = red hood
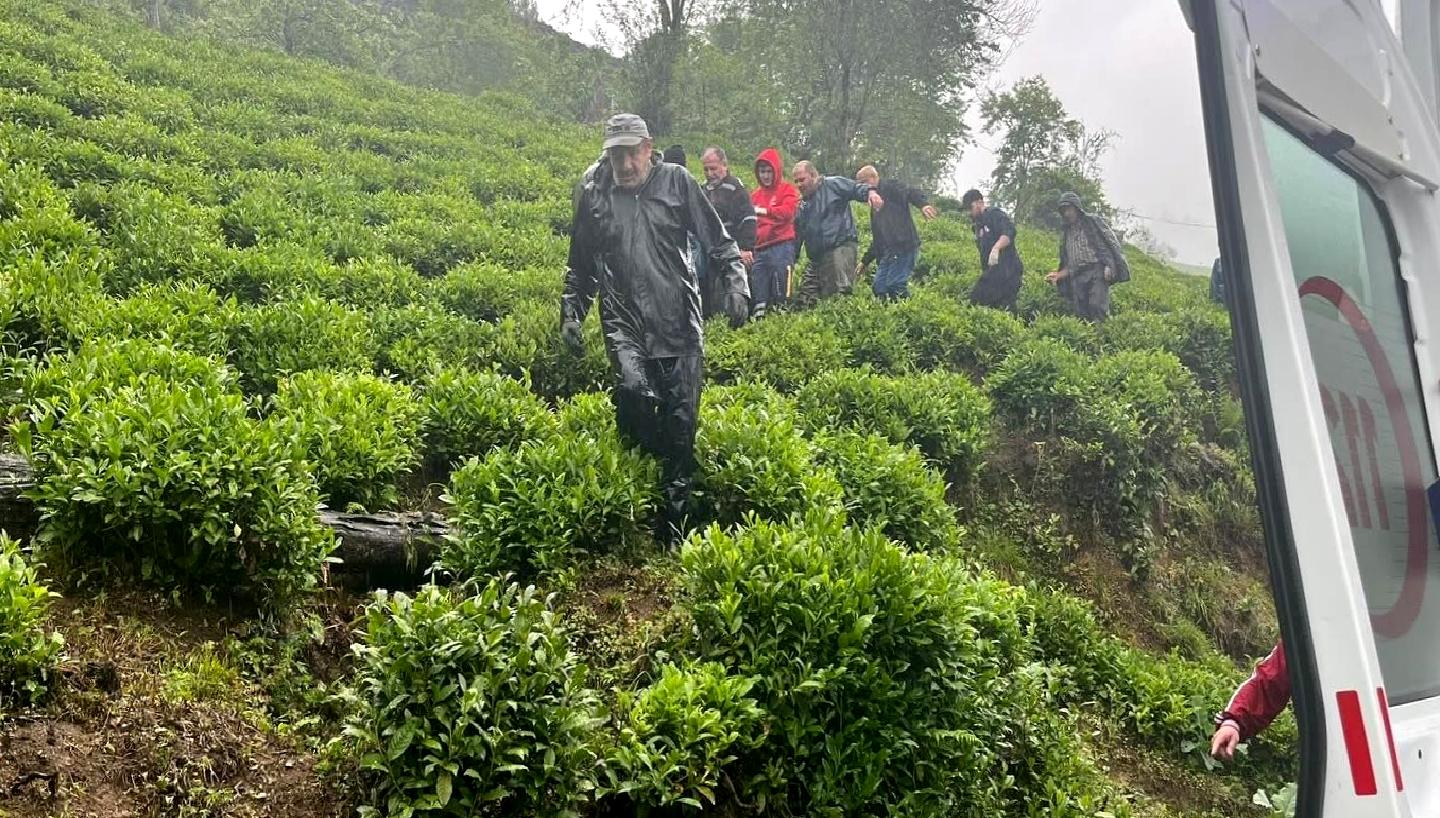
[771, 157]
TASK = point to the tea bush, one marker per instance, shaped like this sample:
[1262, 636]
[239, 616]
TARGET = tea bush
[63, 384]
[893, 682]
[678, 736]
[528, 344]
[188, 315]
[415, 339]
[44, 301]
[753, 461]
[871, 331]
[466, 705]
[469, 413]
[28, 654]
[942, 414]
[484, 291]
[1040, 385]
[1160, 392]
[946, 334]
[1079, 335]
[358, 433]
[288, 337]
[889, 486]
[785, 351]
[530, 509]
[175, 483]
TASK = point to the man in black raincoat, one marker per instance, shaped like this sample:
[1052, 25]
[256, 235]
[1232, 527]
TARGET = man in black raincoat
[629, 245]
[999, 258]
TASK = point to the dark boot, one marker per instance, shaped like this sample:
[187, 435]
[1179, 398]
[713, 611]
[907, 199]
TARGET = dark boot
[674, 523]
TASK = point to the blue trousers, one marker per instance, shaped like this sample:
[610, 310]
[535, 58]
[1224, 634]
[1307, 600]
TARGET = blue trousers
[768, 281]
[892, 275]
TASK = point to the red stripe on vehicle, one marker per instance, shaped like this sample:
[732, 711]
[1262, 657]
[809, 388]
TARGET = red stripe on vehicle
[1357, 743]
[1390, 738]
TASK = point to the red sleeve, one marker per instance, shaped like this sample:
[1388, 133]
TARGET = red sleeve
[786, 200]
[1261, 697]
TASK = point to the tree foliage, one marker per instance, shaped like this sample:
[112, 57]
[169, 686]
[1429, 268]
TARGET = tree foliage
[1045, 152]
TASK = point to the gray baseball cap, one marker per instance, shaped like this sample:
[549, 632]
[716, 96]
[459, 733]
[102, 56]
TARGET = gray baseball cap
[625, 129]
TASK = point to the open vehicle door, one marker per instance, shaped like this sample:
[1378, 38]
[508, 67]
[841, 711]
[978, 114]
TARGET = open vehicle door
[1325, 160]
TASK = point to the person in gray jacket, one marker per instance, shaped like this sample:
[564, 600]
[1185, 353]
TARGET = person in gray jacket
[629, 245]
[1090, 261]
[826, 229]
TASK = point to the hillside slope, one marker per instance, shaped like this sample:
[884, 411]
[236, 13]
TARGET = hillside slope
[956, 562]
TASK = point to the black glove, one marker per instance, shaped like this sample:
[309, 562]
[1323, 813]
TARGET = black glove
[570, 334]
[737, 307]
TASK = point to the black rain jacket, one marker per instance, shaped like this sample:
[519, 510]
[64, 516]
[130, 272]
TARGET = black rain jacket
[732, 202]
[631, 248]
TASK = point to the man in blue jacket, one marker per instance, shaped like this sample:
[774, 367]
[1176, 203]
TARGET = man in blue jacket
[826, 229]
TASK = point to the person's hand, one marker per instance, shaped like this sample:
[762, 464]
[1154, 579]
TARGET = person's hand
[1226, 739]
[864, 268]
[574, 340]
[737, 308]
[1054, 278]
[994, 256]
[875, 201]
[748, 257]
[1109, 275]
[762, 211]
[929, 212]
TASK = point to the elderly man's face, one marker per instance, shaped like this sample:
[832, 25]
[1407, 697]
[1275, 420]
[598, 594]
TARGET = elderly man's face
[806, 179]
[631, 163]
[977, 208]
[715, 170]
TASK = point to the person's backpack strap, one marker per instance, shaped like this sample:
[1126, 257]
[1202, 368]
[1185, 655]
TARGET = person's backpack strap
[1122, 266]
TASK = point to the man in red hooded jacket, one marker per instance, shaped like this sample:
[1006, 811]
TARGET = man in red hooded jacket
[775, 201]
[1256, 703]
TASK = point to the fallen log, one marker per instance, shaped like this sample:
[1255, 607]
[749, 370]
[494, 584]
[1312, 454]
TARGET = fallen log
[383, 548]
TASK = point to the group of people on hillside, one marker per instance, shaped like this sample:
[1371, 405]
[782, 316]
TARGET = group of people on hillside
[662, 252]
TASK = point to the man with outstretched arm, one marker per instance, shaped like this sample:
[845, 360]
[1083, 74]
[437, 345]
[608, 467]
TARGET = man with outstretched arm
[827, 230]
[629, 247]
[894, 241]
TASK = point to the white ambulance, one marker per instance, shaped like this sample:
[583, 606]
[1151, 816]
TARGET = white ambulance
[1324, 148]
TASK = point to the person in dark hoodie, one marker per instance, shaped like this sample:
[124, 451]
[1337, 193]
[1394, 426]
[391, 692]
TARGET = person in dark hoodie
[1090, 261]
[894, 240]
[775, 201]
[999, 284]
[628, 246]
[730, 199]
[827, 230]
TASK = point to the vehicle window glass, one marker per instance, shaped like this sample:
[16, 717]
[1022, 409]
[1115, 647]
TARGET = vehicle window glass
[1360, 339]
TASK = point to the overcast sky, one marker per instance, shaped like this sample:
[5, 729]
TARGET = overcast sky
[1126, 65]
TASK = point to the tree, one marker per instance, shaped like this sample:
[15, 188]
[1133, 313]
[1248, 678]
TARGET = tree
[1044, 153]
[655, 35]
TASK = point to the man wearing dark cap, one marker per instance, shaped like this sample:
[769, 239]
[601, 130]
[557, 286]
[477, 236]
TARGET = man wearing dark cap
[629, 246]
[1000, 265]
[1090, 261]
